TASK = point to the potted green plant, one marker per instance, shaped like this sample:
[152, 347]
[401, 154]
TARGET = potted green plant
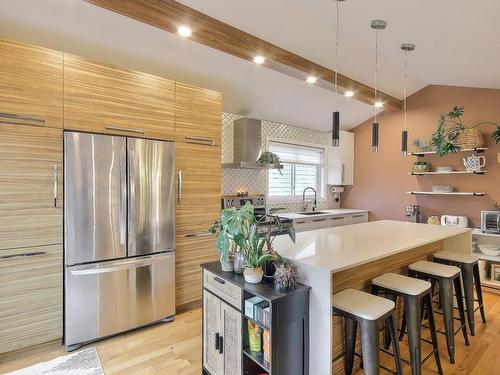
[231, 230]
[452, 133]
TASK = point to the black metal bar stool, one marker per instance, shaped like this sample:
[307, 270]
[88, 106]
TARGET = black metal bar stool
[367, 310]
[446, 277]
[415, 293]
[469, 265]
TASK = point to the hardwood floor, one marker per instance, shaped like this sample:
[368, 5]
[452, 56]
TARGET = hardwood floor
[175, 348]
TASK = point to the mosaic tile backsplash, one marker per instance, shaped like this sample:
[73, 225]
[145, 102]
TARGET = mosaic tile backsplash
[254, 181]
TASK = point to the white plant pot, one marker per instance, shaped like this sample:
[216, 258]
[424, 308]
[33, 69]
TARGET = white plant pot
[253, 275]
[227, 267]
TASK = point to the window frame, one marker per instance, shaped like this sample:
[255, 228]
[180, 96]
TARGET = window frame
[321, 183]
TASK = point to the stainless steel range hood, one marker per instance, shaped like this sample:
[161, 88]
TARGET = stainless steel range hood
[247, 145]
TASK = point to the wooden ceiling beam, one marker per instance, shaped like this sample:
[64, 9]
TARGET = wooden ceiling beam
[169, 15]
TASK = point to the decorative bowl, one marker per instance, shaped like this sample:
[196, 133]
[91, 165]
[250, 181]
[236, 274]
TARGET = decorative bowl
[491, 250]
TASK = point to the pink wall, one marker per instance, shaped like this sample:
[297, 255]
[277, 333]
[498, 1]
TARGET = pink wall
[382, 180]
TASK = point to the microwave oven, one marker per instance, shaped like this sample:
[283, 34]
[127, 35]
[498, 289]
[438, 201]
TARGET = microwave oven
[490, 222]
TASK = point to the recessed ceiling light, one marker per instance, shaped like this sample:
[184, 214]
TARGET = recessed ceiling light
[259, 59]
[184, 31]
[349, 94]
[311, 79]
[379, 105]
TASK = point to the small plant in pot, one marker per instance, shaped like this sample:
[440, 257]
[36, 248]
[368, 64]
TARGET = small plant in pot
[285, 275]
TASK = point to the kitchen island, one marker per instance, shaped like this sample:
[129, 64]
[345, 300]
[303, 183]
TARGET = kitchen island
[332, 259]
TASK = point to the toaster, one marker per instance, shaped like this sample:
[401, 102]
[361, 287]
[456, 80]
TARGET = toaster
[490, 222]
[455, 221]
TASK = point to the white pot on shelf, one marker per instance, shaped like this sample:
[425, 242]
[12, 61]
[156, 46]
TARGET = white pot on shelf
[253, 275]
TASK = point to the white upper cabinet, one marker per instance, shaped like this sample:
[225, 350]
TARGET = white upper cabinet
[340, 161]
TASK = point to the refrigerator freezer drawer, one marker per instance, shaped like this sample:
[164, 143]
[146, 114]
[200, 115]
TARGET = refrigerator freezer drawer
[111, 297]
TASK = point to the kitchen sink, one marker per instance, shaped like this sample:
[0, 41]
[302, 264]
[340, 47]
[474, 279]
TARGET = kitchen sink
[310, 213]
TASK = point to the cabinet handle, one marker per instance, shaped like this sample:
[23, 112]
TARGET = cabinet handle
[343, 172]
[219, 280]
[301, 222]
[55, 186]
[179, 178]
[318, 220]
[17, 119]
[199, 234]
[33, 254]
[337, 218]
[200, 140]
[117, 128]
[217, 341]
[358, 215]
[221, 345]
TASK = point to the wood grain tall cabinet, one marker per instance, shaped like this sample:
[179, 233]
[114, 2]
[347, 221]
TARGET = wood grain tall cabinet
[198, 168]
[101, 98]
[31, 96]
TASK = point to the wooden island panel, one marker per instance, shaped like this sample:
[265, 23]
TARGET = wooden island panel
[360, 278]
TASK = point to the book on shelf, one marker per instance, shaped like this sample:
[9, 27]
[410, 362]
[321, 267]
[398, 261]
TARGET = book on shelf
[266, 345]
[250, 306]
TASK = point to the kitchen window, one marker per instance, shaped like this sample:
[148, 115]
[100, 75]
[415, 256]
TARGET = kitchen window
[303, 166]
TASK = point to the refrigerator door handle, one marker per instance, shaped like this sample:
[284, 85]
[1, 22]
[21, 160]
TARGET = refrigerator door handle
[179, 176]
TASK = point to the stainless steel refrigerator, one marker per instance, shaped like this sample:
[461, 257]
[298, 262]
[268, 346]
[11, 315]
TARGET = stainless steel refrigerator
[119, 235]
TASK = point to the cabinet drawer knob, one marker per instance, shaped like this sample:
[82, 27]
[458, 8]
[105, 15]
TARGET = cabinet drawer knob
[219, 280]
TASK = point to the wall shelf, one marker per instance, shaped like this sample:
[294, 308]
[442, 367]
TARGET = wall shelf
[457, 193]
[424, 153]
[445, 173]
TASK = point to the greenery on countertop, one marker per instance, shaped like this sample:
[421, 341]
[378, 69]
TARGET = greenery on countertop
[450, 126]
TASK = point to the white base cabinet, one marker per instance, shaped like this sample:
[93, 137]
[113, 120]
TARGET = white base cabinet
[328, 221]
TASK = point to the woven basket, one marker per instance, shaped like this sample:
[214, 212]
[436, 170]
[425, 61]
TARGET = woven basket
[469, 138]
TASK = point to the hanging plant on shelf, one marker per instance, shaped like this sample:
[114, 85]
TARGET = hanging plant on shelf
[269, 157]
[451, 127]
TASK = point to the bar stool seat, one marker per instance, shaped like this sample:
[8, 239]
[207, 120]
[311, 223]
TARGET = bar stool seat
[469, 266]
[436, 269]
[361, 304]
[367, 311]
[414, 293]
[401, 284]
[448, 278]
[462, 258]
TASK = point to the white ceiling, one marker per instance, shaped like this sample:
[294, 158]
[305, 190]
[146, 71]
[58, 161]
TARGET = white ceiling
[450, 50]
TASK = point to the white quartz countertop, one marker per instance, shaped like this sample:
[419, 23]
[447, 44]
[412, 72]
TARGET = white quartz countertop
[339, 248]
[329, 212]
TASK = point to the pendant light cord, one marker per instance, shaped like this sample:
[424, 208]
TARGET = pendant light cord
[405, 106]
[376, 73]
[336, 67]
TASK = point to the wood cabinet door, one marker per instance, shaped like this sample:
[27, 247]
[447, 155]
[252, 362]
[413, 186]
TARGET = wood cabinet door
[31, 85]
[31, 178]
[212, 358]
[31, 296]
[232, 346]
[106, 99]
[198, 205]
[198, 115]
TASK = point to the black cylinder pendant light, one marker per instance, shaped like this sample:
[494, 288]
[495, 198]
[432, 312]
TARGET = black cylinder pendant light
[336, 129]
[375, 127]
[406, 47]
[377, 25]
[336, 114]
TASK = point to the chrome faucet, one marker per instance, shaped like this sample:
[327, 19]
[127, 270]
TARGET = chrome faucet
[306, 204]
